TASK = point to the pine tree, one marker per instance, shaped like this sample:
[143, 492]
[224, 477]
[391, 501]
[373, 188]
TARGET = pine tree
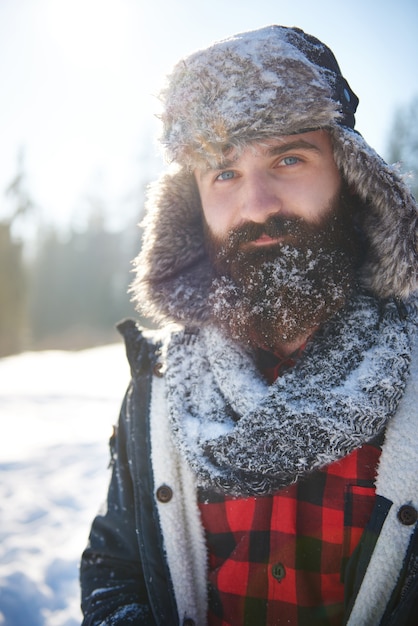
[13, 283]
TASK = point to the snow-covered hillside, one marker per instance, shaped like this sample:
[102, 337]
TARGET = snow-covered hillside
[56, 415]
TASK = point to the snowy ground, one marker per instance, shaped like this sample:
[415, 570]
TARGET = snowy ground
[56, 414]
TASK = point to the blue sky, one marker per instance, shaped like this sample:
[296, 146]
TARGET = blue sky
[79, 79]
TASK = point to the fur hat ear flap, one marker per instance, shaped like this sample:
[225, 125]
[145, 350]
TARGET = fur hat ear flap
[390, 219]
[172, 223]
[173, 273]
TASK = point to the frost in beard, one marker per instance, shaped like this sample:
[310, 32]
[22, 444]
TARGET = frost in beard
[282, 299]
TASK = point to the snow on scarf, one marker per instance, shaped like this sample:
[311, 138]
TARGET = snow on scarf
[243, 437]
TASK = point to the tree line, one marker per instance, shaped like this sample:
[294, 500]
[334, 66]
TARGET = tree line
[72, 288]
[78, 286]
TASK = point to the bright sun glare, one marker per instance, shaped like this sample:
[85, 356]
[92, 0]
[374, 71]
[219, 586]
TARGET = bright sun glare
[90, 32]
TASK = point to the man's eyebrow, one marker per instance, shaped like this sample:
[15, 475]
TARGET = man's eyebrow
[222, 164]
[298, 144]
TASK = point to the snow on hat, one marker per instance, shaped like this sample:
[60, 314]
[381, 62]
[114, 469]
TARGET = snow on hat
[273, 81]
[257, 85]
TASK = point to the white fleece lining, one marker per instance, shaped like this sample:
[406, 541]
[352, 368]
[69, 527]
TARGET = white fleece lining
[397, 480]
[183, 533]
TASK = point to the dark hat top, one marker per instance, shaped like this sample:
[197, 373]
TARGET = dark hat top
[319, 54]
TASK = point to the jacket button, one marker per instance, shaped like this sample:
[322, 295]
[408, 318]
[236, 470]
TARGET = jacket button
[278, 571]
[407, 515]
[188, 621]
[164, 493]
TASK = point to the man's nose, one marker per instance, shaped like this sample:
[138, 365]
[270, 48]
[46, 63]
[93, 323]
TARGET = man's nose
[260, 199]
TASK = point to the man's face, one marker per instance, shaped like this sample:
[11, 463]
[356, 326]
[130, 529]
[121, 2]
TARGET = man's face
[280, 237]
[293, 176]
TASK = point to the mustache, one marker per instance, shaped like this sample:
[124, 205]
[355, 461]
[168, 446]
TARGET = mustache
[276, 226]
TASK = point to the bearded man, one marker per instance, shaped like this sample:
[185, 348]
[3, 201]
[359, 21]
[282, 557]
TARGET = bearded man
[265, 464]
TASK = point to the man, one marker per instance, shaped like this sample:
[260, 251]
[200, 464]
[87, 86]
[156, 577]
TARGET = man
[265, 463]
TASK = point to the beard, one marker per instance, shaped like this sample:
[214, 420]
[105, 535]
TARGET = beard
[274, 295]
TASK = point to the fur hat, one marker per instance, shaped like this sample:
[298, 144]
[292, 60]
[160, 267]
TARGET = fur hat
[269, 82]
[257, 85]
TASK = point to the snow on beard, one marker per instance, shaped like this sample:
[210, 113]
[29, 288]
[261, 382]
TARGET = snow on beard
[272, 295]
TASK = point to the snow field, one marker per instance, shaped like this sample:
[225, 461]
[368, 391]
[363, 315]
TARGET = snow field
[56, 414]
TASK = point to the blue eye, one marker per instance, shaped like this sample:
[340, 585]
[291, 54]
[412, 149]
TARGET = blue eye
[227, 175]
[290, 160]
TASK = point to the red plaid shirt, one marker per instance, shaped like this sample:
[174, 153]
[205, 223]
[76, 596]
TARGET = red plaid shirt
[280, 559]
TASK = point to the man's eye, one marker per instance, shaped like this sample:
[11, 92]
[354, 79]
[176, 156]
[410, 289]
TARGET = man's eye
[290, 160]
[227, 175]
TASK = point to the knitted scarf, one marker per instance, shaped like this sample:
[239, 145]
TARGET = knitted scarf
[244, 437]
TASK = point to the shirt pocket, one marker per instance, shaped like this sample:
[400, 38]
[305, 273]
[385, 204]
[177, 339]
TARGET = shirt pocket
[358, 506]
